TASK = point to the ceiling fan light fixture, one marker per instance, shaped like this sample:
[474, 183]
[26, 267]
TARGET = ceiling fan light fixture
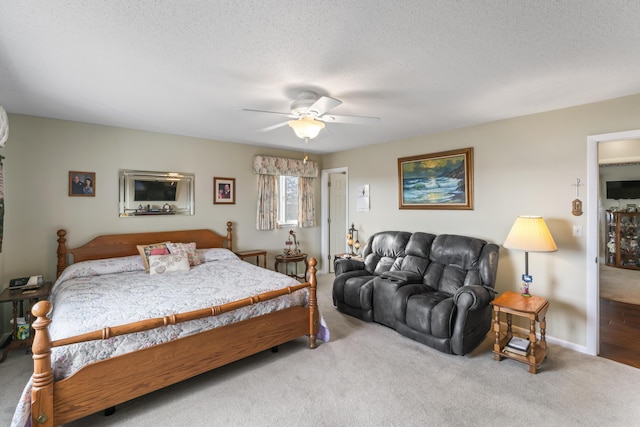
[306, 127]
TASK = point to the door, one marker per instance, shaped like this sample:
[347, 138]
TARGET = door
[337, 221]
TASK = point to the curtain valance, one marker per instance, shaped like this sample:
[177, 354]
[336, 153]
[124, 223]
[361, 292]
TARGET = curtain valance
[267, 165]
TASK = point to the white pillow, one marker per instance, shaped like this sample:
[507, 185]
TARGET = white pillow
[186, 248]
[216, 254]
[160, 264]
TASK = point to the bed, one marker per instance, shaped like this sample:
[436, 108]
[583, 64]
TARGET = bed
[256, 314]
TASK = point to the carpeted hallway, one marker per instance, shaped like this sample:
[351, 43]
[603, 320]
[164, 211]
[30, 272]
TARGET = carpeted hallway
[370, 375]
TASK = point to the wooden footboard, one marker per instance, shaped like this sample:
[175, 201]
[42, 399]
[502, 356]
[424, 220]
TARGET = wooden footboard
[107, 383]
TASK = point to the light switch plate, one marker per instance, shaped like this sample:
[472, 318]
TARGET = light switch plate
[577, 231]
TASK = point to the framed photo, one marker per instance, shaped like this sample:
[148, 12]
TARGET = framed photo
[82, 184]
[224, 191]
[436, 181]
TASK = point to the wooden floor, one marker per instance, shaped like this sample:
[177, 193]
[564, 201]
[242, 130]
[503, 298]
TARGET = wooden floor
[620, 315]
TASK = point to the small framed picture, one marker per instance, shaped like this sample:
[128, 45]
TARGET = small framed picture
[224, 191]
[82, 184]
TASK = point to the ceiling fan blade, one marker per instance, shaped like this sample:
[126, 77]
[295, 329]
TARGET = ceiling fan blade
[269, 112]
[324, 104]
[353, 120]
[272, 127]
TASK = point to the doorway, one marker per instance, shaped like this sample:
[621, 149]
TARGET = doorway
[335, 215]
[593, 234]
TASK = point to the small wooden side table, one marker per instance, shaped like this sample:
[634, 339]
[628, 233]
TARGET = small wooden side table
[286, 259]
[533, 308]
[256, 253]
[15, 296]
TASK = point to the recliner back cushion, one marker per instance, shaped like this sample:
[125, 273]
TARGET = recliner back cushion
[462, 251]
[382, 249]
[417, 252]
[454, 262]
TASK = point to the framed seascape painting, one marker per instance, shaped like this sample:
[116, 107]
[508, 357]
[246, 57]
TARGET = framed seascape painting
[82, 184]
[437, 181]
[224, 191]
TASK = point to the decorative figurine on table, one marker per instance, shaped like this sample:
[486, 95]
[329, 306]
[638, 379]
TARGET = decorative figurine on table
[289, 251]
[526, 282]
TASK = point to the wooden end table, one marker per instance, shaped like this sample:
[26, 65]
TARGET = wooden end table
[533, 308]
[286, 259]
[254, 253]
[18, 296]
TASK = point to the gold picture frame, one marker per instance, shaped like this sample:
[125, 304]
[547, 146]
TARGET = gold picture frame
[224, 191]
[441, 180]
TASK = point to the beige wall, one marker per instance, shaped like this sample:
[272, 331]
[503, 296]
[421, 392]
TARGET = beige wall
[41, 152]
[523, 166]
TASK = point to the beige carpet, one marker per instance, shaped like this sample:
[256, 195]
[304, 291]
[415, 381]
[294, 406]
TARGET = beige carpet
[368, 375]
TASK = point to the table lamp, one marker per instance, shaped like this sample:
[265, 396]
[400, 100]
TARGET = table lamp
[529, 234]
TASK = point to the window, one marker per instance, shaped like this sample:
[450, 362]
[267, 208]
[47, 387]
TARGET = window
[288, 203]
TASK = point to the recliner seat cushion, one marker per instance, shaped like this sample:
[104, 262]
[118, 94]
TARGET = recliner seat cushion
[431, 313]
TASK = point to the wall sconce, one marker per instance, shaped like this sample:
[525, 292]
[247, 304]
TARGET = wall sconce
[352, 240]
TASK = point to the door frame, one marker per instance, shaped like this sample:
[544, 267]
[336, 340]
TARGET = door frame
[324, 215]
[593, 196]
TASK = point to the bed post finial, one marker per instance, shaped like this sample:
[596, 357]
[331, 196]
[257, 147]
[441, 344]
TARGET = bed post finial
[62, 251]
[42, 390]
[229, 238]
[314, 318]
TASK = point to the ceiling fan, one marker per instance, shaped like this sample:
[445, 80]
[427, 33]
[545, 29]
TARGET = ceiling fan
[309, 113]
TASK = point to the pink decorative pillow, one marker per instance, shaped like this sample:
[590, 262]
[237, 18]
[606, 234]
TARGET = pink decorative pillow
[155, 249]
[189, 249]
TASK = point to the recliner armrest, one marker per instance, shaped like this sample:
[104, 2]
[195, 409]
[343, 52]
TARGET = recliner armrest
[473, 297]
[404, 277]
[343, 265]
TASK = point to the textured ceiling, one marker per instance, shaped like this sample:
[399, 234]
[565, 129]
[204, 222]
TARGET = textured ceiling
[189, 67]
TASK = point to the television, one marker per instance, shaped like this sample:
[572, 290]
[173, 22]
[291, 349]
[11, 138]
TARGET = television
[156, 191]
[623, 190]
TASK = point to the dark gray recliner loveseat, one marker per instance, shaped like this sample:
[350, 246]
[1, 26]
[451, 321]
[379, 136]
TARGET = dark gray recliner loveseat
[432, 289]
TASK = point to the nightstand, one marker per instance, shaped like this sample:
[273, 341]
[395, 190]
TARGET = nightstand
[295, 259]
[254, 253]
[17, 297]
[533, 308]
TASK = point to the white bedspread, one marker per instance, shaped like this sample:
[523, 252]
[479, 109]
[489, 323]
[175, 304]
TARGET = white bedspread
[94, 294]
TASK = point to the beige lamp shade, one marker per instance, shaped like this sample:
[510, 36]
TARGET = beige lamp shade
[530, 234]
[306, 127]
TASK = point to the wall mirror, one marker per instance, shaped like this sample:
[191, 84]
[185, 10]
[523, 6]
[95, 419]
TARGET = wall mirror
[146, 193]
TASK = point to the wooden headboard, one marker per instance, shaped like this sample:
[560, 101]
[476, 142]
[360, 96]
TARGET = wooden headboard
[119, 245]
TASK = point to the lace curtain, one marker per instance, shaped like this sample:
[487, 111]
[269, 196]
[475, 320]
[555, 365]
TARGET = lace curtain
[269, 169]
[306, 206]
[267, 215]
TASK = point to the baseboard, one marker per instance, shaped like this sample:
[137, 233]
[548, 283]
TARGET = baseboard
[555, 341]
